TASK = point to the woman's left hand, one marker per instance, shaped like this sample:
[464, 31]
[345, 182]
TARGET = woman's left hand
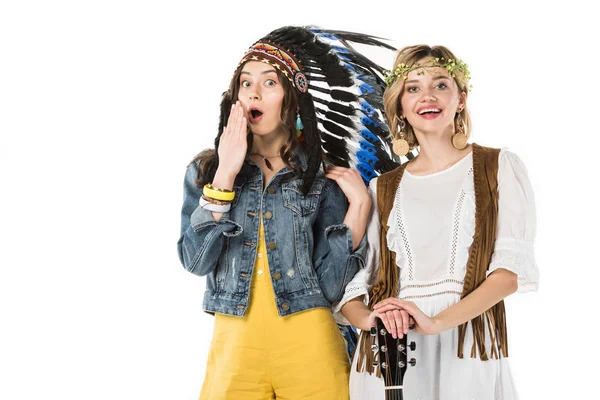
[424, 324]
[351, 183]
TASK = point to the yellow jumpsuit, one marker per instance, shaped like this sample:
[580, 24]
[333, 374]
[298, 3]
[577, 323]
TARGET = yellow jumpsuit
[263, 356]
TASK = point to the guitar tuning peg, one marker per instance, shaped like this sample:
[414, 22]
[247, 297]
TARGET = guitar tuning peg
[375, 363]
[383, 332]
[412, 346]
[401, 348]
[412, 362]
[373, 331]
[384, 365]
[384, 348]
[373, 347]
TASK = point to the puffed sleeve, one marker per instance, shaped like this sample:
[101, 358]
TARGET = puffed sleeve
[515, 232]
[364, 278]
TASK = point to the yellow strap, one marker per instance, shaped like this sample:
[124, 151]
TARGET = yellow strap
[218, 194]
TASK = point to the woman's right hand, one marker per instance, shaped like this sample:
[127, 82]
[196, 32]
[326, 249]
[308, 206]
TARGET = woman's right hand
[396, 322]
[233, 144]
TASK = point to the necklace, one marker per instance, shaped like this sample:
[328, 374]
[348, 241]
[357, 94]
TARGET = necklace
[265, 159]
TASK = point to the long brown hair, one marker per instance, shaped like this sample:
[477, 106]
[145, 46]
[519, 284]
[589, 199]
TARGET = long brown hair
[208, 160]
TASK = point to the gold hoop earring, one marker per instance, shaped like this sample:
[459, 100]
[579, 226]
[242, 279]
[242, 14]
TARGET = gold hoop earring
[459, 138]
[400, 145]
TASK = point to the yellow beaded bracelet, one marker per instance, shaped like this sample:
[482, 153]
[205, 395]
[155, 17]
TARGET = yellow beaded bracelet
[218, 194]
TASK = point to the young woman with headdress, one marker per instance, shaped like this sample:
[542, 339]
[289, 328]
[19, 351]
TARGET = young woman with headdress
[450, 236]
[277, 236]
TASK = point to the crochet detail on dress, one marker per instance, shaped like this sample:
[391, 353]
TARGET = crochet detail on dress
[350, 289]
[457, 226]
[455, 231]
[425, 285]
[421, 296]
[400, 225]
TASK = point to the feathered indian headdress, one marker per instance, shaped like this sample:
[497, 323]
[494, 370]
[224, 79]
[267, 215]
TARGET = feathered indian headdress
[340, 95]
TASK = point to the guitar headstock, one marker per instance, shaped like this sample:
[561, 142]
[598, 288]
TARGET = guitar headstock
[393, 359]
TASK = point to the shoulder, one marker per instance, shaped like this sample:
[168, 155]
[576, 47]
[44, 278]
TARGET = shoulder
[485, 154]
[325, 184]
[388, 178]
[510, 163]
[508, 156]
[373, 185]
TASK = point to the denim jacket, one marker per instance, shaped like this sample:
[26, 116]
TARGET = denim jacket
[309, 249]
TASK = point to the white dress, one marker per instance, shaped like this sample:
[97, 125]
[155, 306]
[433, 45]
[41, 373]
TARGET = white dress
[431, 227]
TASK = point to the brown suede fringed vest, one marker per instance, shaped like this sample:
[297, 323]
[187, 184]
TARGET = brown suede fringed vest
[485, 176]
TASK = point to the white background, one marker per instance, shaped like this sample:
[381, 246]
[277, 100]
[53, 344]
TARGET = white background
[103, 104]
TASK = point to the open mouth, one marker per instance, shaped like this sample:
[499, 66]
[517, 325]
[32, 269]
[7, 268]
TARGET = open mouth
[254, 115]
[426, 111]
[429, 113]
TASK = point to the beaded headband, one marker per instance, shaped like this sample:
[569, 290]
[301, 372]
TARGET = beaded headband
[279, 58]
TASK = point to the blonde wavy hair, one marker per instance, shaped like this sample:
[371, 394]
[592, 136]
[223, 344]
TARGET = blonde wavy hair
[410, 55]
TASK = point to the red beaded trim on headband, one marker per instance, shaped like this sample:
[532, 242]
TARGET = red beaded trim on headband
[279, 58]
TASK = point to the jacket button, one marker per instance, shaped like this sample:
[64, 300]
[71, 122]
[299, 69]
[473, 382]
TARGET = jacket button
[240, 306]
[272, 246]
[268, 215]
[285, 306]
[271, 190]
[277, 276]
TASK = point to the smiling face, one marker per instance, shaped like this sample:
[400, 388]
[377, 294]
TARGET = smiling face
[430, 99]
[261, 94]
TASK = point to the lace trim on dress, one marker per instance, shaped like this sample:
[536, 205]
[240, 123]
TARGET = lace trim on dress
[455, 229]
[434, 284]
[464, 228]
[422, 296]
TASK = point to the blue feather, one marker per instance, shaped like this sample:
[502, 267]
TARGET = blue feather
[366, 172]
[367, 108]
[327, 35]
[350, 67]
[368, 121]
[367, 146]
[340, 49]
[366, 89]
[366, 157]
[367, 134]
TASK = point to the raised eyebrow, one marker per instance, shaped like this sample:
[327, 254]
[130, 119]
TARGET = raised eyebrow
[435, 78]
[262, 73]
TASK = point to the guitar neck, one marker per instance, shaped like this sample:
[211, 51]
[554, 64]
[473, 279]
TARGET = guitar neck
[393, 393]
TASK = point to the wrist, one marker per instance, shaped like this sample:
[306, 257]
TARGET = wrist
[438, 324]
[224, 179]
[360, 202]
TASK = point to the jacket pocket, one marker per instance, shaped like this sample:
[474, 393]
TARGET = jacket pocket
[296, 201]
